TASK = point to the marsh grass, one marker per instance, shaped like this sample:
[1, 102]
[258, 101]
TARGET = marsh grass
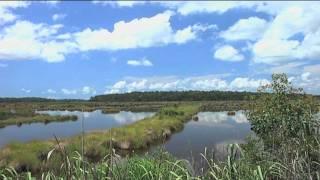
[139, 135]
[159, 165]
[42, 118]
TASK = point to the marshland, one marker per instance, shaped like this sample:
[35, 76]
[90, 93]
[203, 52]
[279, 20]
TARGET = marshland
[173, 139]
[159, 90]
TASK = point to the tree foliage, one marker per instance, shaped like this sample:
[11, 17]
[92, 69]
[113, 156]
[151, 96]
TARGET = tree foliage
[286, 123]
[174, 96]
[283, 111]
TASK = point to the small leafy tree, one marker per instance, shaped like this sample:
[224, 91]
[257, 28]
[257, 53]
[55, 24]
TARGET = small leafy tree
[284, 119]
[282, 112]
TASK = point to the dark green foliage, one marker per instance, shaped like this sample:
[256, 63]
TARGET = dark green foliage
[284, 113]
[173, 96]
[287, 130]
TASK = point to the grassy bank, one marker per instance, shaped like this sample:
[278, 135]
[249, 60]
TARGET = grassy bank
[18, 113]
[31, 156]
[82, 106]
[43, 118]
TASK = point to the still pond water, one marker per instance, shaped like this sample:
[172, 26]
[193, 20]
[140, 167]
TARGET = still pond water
[213, 130]
[95, 120]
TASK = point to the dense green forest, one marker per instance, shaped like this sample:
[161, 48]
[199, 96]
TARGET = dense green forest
[151, 96]
[174, 96]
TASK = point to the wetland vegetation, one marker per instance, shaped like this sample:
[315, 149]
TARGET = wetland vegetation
[286, 144]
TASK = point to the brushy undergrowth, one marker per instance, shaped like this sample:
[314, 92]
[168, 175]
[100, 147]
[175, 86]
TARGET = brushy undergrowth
[159, 165]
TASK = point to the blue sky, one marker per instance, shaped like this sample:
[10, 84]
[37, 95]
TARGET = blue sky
[62, 49]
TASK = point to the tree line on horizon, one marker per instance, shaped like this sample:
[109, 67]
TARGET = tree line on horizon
[150, 96]
[173, 96]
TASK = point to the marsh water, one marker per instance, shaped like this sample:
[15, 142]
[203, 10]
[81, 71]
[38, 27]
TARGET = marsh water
[95, 120]
[212, 130]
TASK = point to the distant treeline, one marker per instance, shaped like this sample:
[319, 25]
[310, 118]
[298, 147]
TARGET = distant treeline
[174, 96]
[150, 96]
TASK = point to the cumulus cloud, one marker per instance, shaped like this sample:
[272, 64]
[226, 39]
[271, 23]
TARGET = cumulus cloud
[280, 42]
[69, 91]
[51, 91]
[305, 76]
[309, 81]
[219, 7]
[243, 83]
[193, 7]
[142, 62]
[132, 34]
[26, 90]
[119, 3]
[291, 33]
[171, 83]
[6, 7]
[88, 90]
[34, 42]
[251, 28]
[228, 53]
[57, 17]
[85, 90]
[46, 42]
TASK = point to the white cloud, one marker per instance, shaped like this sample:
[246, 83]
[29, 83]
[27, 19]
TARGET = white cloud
[6, 7]
[305, 76]
[245, 29]
[277, 41]
[88, 90]
[3, 65]
[51, 91]
[309, 81]
[187, 7]
[34, 42]
[137, 33]
[45, 42]
[193, 7]
[57, 17]
[243, 83]
[26, 90]
[228, 53]
[51, 2]
[279, 44]
[119, 3]
[69, 91]
[171, 83]
[142, 62]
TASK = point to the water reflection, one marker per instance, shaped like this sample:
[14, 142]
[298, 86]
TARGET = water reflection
[128, 117]
[221, 117]
[95, 120]
[213, 130]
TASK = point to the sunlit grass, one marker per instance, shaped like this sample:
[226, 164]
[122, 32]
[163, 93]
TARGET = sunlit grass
[138, 135]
